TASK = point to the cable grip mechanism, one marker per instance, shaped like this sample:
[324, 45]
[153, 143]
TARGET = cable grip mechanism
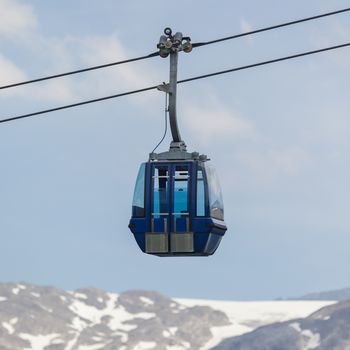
[173, 43]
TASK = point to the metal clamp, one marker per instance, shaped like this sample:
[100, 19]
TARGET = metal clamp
[170, 43]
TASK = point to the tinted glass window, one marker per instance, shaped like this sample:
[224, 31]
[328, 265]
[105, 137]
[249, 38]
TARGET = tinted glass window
[160, 191]
[200, 193]
[180, 205]
[138, 203]
[215, 196]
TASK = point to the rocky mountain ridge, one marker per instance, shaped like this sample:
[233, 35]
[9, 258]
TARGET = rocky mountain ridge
[47, 318]
[338, 294]
[326, 329]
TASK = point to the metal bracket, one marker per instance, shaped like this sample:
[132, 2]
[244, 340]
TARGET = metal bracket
[176, 156]
[164, 88]
[170, 44]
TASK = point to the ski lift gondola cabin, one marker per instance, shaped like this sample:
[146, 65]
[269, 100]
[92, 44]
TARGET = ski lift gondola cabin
[177, 207]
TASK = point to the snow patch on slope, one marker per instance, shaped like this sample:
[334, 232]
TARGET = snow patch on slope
[88, 316]
[80, 295]
[310, 340]
[8, 327]
[145, 345]
[118, 314]
[92, 347]
[245, 316]
[295, 326]
[147, 301]
[38, 342]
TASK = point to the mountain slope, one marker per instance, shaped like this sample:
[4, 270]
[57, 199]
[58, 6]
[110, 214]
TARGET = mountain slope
[245, 316]
[47, 318]
[326, 329]
[340, 295]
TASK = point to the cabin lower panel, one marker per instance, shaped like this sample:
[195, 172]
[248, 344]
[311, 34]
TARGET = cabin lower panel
[180, 244]
[203, 241]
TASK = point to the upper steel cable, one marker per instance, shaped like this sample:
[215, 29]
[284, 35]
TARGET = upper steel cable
[270, 28]
[263, 63]
[154, 54]
[79, 104]
[179, 81]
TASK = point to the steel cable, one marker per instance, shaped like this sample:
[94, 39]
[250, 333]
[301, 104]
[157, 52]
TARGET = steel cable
[179, 82]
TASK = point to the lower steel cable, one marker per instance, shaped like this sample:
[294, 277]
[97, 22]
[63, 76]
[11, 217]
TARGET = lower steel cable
[285, 58]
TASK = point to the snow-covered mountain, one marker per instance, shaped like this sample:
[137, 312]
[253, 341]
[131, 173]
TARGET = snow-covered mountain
[247, 316]
[326, 329]
[46, 318]
[339, 294]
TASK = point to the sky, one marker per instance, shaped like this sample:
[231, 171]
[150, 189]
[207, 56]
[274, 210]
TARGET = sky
[277, 135]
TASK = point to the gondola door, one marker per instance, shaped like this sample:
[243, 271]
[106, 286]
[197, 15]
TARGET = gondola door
[157, 240]
[181, 238]
[170, 215]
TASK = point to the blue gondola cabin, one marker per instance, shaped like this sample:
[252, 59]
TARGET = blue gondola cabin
[177, 207]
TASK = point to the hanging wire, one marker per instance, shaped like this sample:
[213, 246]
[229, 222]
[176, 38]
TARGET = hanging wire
[270, 28]
[280, 59]
[154, 54]
[78, 104]
[179, 82]
[194, 45]
[166, 110]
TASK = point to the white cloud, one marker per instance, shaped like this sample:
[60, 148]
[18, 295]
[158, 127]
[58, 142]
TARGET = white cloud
[104, 49]
[59, 91]
[48, 55]
[270, 164]
[210, 119]
[9, 72]
[71, 53]
[335, 34]
[52, 91]
[245, 26]
[16, 18]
